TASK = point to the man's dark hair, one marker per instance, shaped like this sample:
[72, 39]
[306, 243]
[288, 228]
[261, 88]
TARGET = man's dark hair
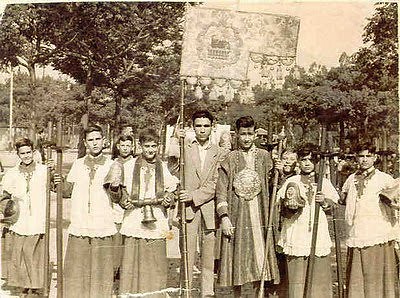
[202, 114]
[92, 128]
[245, 121]
[365, 146]
[23, 142]
[307, 149]
[148, 135]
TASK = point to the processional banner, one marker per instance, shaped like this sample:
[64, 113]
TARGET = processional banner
[224, 44]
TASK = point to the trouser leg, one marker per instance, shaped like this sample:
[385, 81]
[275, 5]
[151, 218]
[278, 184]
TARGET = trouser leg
[207, 263]
[192, 233]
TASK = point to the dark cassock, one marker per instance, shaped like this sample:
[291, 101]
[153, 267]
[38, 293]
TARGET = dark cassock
[243, 196]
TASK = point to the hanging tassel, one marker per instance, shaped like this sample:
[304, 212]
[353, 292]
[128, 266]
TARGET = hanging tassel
[198, 93]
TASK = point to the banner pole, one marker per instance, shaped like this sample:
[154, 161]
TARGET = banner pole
[184, 251]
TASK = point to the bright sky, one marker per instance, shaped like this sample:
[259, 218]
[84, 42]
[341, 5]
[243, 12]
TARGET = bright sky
[326, 28]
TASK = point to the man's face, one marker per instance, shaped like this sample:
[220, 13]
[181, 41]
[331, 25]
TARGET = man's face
[366, 159]
[149, 150]
[306, 164]
[246, 137]
[202, 129]
[25, 153]
[94, 143]
[289, 160]
[125, 148]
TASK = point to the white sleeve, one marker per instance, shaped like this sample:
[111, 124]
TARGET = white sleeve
[388, 182]
[8, 181]
[174, 149]
[73, 175]
[346, 185]
[329, 191]
[281, 192]
[170, 181]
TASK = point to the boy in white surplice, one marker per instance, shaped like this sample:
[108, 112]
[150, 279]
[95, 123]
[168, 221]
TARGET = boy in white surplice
[145, 226]
[298, 196]
[26, 185]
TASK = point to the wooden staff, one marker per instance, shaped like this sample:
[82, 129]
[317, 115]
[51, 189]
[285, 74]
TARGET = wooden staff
[336, 229]
[339, 272]
[311, 258]
[184, 251]
[268, 237]
[47, 273]
[59, 222]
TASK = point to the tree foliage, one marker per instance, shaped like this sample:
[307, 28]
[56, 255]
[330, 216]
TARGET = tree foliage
[131, 51]
[378, 60]
[54, 99]
[130, 48]
[125, 57]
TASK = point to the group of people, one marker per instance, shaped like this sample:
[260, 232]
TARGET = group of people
[122, 211]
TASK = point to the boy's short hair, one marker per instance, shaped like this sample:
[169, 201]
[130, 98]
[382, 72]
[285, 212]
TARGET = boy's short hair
[123, 138]
[149, 135]
[92, 128]
[289, 151]
[365, 146]
[22, 143]
[245, 122]
[203, 114]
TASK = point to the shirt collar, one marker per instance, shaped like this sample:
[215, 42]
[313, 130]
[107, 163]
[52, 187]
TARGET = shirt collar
[206, 146]
[27, 168]
[252, 149]
[124, 160]
[95, 160]
[308, 178]
[367, 173]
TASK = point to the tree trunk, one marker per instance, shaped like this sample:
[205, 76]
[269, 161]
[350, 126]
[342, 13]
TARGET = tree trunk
[341, 135]
[117, 115]
[269, 131]
[85, 120]
[88, 91]
[163, 138]
[32, 91]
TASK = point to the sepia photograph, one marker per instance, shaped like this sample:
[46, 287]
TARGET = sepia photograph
[199, 149]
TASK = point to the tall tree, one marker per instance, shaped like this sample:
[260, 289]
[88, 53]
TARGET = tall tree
[22, 43]
[53, 99]
[124, 47]
[378, 60]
